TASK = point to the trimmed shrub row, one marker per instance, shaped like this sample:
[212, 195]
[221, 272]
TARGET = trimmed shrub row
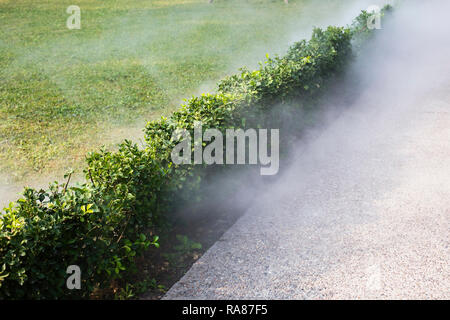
[100, 225]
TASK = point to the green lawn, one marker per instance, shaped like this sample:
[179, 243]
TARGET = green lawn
[64, 92]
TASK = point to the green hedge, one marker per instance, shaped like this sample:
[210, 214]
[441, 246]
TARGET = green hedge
[100, 225]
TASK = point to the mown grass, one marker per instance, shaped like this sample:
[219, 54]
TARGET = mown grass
[65, 92]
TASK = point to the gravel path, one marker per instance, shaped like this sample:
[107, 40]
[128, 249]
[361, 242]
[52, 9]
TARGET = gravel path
[356, 220]
[364, 211]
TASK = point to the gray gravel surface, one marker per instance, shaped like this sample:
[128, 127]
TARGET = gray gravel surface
[353, 219]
